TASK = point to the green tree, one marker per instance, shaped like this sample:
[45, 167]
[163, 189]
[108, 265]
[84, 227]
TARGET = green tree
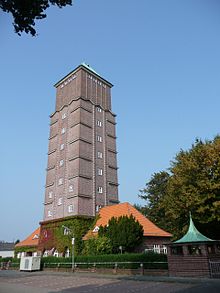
[154, 192]
[97, 246]
[25, 12]
[193, 185]
[123, 231]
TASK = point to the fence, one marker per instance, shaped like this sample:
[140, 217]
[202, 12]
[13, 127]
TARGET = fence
[214, 269]
[111, 265]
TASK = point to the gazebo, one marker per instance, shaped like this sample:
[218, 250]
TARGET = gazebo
[194, 255]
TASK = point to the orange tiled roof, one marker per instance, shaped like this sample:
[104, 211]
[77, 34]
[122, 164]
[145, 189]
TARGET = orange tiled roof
[31, 240]
[125, 209]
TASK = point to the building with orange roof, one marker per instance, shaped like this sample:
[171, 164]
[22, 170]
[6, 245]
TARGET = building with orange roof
[28, 247]
[154, 237]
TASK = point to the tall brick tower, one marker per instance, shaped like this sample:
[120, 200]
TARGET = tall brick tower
[82, 164]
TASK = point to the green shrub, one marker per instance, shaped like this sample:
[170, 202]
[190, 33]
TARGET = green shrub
[131, 261]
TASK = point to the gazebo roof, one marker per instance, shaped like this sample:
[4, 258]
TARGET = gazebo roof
[193, 235]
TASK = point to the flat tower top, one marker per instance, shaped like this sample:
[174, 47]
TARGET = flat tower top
[88, 68]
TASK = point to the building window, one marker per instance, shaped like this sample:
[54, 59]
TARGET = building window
[60, 182]
[56, 253]
[63, 130]
[49, 214]
[156, 248]
[63, 116]
[99, 123]
[100, 172]
[99, 155]
[194, 250]
[67, 253]
[177, 250]
[66, 231]
[71, 188]
[99, 109]
[211, 249]
[62, 146]
[100, 189]
[50, 194]
[61, 163]
[60, 201]
[70, 208]
[99, 138]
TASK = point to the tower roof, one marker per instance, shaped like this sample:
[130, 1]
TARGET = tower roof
[86, 67]
[193, 235]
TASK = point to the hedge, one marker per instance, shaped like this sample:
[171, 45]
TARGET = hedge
[149, 260]
[132, 257]
[129, 260]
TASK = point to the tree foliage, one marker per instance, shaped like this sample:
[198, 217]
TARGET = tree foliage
[153, 193]
[192, 184]
[123, 231]
[97, 246]
[25, 12]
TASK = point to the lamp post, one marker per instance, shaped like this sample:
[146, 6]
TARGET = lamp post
[73, 241]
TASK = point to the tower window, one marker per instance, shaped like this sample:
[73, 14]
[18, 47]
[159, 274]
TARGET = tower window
[100, 189]
[61, 163]
[49, 214]
[60, 181]
[62, 146]
[63, 130]
[99, 155]
[70, 208]
[99, 138]
[99, 123]
[60, 201]
[50, 194]
[71, 188]
[63, 116]
[99, 109]
[100, 172]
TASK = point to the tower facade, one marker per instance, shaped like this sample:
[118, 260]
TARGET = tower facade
[82, 158]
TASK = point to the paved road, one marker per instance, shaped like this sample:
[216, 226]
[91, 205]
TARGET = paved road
[49, 282]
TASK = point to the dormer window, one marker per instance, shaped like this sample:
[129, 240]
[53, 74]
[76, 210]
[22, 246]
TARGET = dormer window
[96, 229]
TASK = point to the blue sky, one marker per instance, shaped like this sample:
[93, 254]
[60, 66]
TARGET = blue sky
[163, 58]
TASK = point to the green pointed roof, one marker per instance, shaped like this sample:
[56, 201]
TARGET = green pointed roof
[193, 235]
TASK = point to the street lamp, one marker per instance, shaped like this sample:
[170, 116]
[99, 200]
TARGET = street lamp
[73, 241]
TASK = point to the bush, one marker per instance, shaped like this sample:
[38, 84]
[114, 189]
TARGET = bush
[150, 261]
[97, 245]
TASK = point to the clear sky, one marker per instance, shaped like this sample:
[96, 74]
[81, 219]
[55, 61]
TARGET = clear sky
[163, 58]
